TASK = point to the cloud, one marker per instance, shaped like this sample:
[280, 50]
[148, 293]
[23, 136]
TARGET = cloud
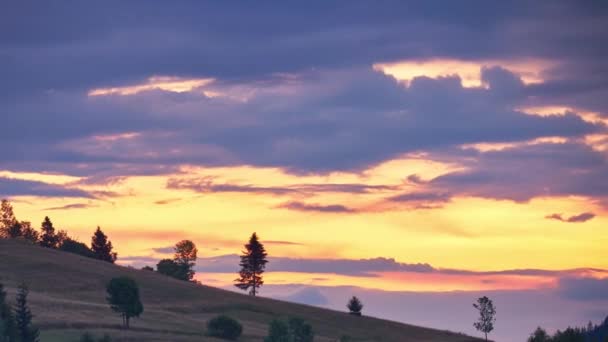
[313, 207]
[584, 288]
[167, 201]
[18, 187]
[285, 243]
[72, 206]
[164, 250]
[584, 217]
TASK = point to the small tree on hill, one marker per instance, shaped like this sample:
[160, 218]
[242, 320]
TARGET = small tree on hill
[278, 331]
[7, 321]
[7, 218]
[487, 314]
[253, 262]
[169, 268]
[48, 238]
[15, 230]
[539, 335]
[354, 306]
[26, 332]
[123, 297]
[72, 246]
[185, 257]
[29, 233]
[102, 247]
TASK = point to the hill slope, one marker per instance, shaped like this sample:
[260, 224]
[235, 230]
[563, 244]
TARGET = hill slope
[68, 297]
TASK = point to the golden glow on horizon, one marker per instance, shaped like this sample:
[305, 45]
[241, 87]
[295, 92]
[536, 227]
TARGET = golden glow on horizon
[167, 83]
[469, 72]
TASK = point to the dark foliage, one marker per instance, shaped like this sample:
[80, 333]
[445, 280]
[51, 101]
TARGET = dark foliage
[102, 247]
[487, 315]
[172, 269]
[147, 268]
[354, 306]
[28, 233]
[7, 321]
[293, 330]
[88, 337]
[591, 333]
[253, 262]
[224, 327]
[48, 238]
[14, 231]
[185, 257]
[123, 297]
[72, 246]
[7, 218]
[26, 332]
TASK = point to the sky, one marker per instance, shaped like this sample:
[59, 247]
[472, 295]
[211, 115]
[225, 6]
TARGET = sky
[417, 154]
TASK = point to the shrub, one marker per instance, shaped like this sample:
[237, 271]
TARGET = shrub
[224, 327]
[73, 246]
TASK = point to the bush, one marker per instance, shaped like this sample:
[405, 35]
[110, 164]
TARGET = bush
[224, 327]
[88, 337]
[73, 246]
[293, 330]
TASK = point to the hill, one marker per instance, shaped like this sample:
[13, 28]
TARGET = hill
[67, 297]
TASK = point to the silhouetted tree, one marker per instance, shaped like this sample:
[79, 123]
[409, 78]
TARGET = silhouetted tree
[15, 230]
[72, 246]
[487, 314]
[185, 257]
[102, 247]
[29, 233]
[253, 262]
[123, 297]
[147, 268]
[7, 321]
[539, 335]
[48, 238]
[26, 332]
[224, 327]
[61, 235]
[170, 268]
[7, 218]
[354, 306]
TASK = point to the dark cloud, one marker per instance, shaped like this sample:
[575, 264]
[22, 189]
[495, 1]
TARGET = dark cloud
[164, 250]
[72, 206]
[167, 201]
[285, 243]
[18, 187]
[584, 288]
[524, 172]
[313, 207]
[584, 217]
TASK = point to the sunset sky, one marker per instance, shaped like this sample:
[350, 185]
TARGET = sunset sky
[417, 154]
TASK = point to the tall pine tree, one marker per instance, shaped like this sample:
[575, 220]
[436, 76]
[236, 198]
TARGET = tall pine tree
[26, 332]
[7, 322]
[48, 238]
[102, 247]
[253, 262]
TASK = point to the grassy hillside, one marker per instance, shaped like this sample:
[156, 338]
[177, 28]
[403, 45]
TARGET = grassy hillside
[68, 297]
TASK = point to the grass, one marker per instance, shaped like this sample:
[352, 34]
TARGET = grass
[67, 297]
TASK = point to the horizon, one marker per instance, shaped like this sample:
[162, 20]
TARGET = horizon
[422, 155]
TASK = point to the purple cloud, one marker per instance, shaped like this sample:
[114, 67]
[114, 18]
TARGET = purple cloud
[313, 207]
[584, 217]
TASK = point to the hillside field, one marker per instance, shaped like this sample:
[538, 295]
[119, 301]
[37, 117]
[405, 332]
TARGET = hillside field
[67, 297]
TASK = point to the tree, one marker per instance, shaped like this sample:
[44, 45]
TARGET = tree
[147, 268]
[294, 330]
[7, 321]
[72, 246]
[185, 257]
[539, 335]
[15, 230]
[487, 314]
[354, 306]
[7, 218]
[168, 267]
[29, 233]
[224, 327]
[253, 262]
[48, 238]
[123, 297]
[102, 247]
[26, 332]
[278, 331]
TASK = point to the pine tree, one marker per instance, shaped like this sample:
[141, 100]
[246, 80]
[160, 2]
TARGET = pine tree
[7, 321]
[48, 238]
[7, 218]
[354, 306]
[26, 332]
[15, 230]
[102, 247]
[253, 262]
